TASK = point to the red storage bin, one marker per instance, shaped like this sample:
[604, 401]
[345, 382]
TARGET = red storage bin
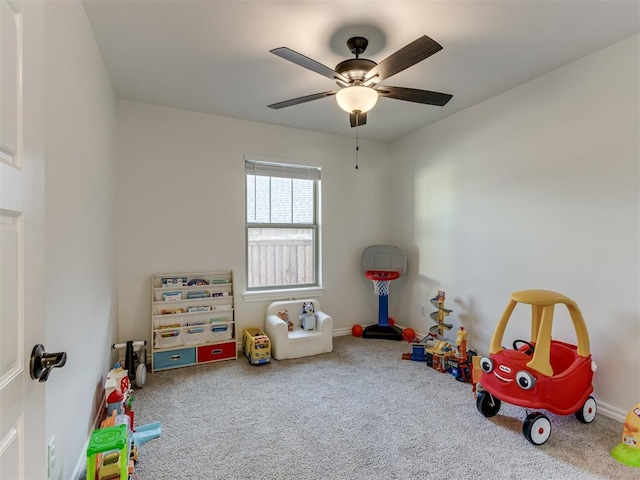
[221, 351]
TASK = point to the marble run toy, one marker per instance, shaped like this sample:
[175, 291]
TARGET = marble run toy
[439, 315]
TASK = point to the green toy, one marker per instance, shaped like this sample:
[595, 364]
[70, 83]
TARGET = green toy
[628, 451]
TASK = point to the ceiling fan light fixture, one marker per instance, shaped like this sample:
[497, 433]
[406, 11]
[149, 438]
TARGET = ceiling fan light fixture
[357, 98]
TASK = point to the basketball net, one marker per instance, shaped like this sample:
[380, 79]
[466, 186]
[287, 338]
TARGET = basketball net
[381, 281]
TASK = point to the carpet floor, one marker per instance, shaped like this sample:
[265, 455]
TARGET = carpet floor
[360, 412]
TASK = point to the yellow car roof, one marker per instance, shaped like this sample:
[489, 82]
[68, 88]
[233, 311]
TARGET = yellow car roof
[541, 297]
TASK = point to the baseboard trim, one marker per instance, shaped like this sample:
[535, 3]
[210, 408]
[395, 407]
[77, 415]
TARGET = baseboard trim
[611, 412]
[82, 461]
[341, 332]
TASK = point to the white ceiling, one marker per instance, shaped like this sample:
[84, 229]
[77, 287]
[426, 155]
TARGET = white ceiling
[213, 56]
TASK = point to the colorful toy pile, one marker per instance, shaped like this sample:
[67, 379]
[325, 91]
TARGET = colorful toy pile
[438, 352]
[113, 448]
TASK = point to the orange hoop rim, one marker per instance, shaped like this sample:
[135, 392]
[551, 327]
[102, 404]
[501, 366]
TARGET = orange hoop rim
[382, 275]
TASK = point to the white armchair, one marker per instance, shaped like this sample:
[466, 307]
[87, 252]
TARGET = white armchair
[298, 342]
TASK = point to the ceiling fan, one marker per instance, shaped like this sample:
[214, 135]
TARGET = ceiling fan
[359, 78]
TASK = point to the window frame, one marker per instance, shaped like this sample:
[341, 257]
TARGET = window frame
[291, 170]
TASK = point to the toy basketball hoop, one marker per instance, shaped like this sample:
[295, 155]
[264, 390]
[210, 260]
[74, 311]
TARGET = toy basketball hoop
[381, 280]
[382, 264]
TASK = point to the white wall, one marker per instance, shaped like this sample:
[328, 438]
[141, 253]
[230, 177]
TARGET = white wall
[535, 188]
[80, 295]
[181, 207]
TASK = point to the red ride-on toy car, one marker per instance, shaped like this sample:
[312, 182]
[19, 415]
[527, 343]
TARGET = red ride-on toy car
[541, 373]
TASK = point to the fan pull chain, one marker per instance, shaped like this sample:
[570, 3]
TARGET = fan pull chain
[357, 137]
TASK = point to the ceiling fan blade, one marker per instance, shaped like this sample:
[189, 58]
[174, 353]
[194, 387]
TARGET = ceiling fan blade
[357, 120]
[414, 95]
[404, 58]
[299, 100]
[308, 63]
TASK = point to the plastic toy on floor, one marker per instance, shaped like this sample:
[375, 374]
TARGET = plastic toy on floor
[135, 361]
[382, 264]
[113, 448]
[460, 365]
[628, 451]
[146, 432]
[409, 335]
[541, 373]
[441, 352]
[256, 346]
[438, 315]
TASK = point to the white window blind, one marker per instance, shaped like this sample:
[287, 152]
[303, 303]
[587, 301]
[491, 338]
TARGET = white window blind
[273, 169]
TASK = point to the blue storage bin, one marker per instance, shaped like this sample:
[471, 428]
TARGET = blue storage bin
[174, 358]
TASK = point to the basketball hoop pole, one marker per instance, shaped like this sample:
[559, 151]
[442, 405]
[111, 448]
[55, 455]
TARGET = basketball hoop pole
[383, 310]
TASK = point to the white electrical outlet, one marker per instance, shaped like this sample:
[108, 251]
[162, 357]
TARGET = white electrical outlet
[423, 311]
[51, 457]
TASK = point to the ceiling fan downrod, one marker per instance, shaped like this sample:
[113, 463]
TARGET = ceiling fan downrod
[357, 45]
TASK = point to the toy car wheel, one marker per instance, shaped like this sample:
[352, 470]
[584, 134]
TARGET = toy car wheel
[588, 411]
[487, 404]
[141, 375]
[536, 428]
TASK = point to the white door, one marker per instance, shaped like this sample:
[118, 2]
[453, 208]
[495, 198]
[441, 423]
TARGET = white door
[22, 420]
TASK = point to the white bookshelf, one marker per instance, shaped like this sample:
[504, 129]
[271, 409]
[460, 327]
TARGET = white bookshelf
[192, 319]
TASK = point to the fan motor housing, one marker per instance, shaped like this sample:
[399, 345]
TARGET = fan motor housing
[355, 68]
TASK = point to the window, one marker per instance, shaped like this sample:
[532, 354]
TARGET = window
[282, 225]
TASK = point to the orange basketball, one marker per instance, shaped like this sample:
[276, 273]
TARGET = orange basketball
[391, 321]
[409, 334]
[357, 330]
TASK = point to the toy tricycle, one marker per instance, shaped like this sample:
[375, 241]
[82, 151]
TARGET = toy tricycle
[135, 364]
[541, 373]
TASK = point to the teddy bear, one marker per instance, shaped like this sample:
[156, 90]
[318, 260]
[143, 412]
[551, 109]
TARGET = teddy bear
[309, 317]
[284, 315]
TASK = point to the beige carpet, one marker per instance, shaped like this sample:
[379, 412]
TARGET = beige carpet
[358, 413]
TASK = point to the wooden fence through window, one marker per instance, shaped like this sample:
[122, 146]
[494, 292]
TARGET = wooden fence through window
[280, 262]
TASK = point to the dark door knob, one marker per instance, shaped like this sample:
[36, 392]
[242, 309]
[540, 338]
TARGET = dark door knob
[42, 362]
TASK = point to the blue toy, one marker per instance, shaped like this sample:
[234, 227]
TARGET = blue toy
[309, 317]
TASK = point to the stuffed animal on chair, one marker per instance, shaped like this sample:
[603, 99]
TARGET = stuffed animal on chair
[284, 315]
[309, 316]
